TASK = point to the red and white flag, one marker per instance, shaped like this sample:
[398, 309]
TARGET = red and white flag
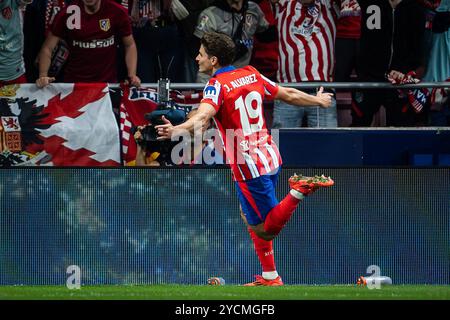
[136, 102]
[62, 125]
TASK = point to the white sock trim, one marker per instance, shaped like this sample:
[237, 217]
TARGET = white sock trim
[296, 194]
[271, 275]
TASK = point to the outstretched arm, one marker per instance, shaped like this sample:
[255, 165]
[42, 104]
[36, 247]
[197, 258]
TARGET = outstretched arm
[200, 119]
[299, 98]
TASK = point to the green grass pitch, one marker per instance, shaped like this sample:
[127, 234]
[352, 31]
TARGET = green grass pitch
[227, 292]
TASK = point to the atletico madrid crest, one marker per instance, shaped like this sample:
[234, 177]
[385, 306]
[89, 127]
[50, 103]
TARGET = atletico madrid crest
[104, 24]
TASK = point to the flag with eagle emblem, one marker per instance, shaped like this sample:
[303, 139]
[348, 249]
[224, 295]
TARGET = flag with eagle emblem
[60, 125]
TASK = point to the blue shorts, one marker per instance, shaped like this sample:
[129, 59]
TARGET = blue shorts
[257, 197]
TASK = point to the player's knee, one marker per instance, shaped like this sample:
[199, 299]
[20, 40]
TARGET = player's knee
[263, 234]
[266, 236]
[258, 229]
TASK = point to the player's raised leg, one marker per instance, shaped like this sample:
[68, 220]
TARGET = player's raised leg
[301, 186]
[265, 217]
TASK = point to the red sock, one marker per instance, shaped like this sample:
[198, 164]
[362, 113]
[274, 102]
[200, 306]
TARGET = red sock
[264, 250]
[279, 215]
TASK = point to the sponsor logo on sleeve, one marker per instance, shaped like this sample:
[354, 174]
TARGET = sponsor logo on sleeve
[212, 91]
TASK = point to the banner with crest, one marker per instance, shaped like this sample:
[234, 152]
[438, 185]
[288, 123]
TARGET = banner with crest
[59, 125]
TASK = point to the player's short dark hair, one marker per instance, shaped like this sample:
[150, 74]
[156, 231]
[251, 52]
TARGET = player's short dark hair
[220, 46]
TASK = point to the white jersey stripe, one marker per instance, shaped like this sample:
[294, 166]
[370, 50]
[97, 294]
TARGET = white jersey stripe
[289, 51]
[325, 58]
[263, 160]
[296, 46]
[315, 60]
[240, 171]
[273, 155]
[330, 32]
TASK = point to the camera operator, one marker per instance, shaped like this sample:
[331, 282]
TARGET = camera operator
[158, 153]
[150, 151]
[141, 153]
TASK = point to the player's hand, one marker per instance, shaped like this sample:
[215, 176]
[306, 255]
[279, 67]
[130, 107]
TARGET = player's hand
[165, 131]
[133, 81]
[324, 98]
[42, 82]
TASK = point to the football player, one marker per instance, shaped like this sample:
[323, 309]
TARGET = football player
[233, 99]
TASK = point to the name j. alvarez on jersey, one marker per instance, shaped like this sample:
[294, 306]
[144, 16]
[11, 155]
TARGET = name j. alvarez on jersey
[240, 82]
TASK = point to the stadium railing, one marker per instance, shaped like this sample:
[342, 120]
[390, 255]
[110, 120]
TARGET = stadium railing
[312, 85]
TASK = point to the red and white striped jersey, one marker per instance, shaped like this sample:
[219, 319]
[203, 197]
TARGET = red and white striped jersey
[306, 41]
[238, 95]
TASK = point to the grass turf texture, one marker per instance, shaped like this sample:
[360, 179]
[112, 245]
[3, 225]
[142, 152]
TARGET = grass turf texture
[228, 292]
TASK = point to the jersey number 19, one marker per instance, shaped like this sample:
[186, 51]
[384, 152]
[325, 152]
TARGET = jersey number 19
[247, 112]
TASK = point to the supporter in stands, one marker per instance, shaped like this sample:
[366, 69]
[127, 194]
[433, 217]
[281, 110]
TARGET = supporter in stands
[265, 54]
[348, 28]
[38, 18]
[159, 40]
[429, 7]
[439, 64]
[306, 53]
[239, 19]
[191, 42]
[92, 43]
[12, 68]
[391, 46]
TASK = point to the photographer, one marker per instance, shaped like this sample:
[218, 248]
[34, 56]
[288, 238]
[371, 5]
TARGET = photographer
[150, 151]
[141, 153]
[159, 153]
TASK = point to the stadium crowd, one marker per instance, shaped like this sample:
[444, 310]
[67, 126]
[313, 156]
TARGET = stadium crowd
[397, 41]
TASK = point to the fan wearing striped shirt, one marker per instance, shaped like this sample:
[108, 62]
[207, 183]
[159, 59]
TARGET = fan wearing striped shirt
[233, 100]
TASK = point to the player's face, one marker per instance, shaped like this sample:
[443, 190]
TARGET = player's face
[204, 62]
